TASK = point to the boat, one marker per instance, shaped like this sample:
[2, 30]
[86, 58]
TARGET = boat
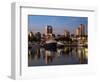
[60, 45]
[51, 45]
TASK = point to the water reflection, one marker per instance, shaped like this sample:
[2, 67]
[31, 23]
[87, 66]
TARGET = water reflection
[68, 55]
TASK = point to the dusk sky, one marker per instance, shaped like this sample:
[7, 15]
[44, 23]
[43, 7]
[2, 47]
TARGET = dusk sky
[37, 23]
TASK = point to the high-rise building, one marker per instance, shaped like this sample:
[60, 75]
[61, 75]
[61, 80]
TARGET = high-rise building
[66, 33]
[48, 30]
[77, 31]
[30, 34]
[38, 36]
[80, 30]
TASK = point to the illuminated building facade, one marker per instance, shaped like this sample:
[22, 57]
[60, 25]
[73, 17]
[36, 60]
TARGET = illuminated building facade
[66, 33]
[80, 30]
[48, 30]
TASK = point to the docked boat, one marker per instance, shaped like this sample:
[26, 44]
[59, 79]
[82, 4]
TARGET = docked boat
[60, 45]
[51, 45]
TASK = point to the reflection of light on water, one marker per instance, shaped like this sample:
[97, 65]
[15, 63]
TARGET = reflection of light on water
[77, 55]
[59, 52]
[82, 54]
[49, 55]
[66, 49]
[85, 53]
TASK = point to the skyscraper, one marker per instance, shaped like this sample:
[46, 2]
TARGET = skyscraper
[80, 31]
[48, 30]
[38, 36]
[77, 31]
[66, 33]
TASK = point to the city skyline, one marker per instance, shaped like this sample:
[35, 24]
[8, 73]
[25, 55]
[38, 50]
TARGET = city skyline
[57, 40]
[37, 23]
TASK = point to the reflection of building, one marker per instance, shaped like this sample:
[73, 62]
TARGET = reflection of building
[66, 33]
[80, 30]
[48, 56]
